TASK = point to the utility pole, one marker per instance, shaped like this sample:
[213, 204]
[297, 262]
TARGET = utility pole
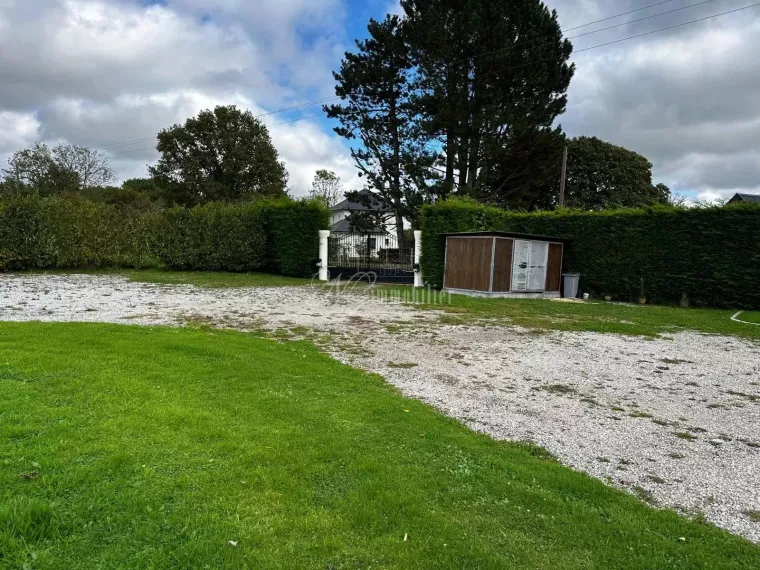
[18, 178]
[563, 177]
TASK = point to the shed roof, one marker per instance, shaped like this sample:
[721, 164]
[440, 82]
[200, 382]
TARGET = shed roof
[753, 198]
[508, 235]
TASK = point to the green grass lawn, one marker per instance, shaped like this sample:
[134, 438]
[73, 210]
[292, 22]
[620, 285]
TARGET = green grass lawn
[127, 447]
[750, 317]
[597, 316]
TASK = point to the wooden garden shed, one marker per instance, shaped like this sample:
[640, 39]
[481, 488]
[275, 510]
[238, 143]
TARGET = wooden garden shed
[503, 264]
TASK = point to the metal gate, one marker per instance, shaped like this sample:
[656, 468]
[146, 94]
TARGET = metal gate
[349, 253]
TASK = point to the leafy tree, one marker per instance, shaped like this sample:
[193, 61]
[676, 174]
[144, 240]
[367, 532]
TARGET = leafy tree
[225, 155]
[145, 185]
[90, 166]
[491, 76]
[525, 174]
[63, 170]
[326, 188]
[125, 199]
[378, 115]
[601, 175]
[663, 195]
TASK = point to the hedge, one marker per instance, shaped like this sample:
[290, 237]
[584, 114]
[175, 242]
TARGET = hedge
[50, 233]
[213, 237]
[69, 233]
[292, 230]
[279, 236]
[710, 254]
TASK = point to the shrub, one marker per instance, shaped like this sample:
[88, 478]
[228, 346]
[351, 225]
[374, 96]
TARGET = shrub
[293, 235]
[212, 237]
[47, 233]
[711, 254]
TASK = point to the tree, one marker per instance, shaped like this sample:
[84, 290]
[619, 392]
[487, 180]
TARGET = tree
[326, 188]
[90, 166]
[377, 113]
[29, 169]
[225, 155]
[663, 195]
[525, 174]
[487, 72]
[64, 169]
[601, 175]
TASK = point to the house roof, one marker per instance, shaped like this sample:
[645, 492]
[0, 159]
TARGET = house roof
[508, 235]
[753, 198]
[374, 203]
[344, 226]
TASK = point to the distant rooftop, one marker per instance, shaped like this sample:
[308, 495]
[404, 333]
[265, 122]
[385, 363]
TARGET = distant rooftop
[345, 226]
[752, 198]
[368, 202]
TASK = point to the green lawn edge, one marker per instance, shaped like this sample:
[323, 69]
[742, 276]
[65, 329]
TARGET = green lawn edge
[136, 447]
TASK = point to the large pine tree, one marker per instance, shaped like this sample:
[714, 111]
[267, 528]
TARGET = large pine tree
[378, 115]
[493, 76]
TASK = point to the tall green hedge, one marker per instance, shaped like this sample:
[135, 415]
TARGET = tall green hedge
[48, 233]
[710, 254]
[292, 230]
[213, 237]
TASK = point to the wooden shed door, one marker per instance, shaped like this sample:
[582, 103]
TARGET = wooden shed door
[529, 265]
[468, 263]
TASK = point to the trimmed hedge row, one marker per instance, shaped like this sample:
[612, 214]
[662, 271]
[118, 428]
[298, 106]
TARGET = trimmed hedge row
[213, 237]
[710, 254]
[292, 230]
[68, 233]
[49, 233]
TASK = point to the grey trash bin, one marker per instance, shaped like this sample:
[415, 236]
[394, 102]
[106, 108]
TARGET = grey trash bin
[571, 285]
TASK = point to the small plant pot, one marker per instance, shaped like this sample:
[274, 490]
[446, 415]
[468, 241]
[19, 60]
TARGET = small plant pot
[642, 300]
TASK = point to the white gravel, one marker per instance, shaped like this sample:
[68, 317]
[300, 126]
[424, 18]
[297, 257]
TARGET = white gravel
[608, 405]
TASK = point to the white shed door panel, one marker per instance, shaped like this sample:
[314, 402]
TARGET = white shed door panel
[520, 265]
[529, 265]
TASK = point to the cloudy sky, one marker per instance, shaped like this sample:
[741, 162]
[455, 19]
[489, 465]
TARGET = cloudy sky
[110, 73]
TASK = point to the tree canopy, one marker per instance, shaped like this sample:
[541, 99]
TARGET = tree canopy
[456, 97]
[378, 115]
[220, 155]
[64, 169]
[487, 72]
[326, 188]
[601, 175]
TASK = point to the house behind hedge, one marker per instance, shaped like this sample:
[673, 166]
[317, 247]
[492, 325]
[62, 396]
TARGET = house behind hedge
[745, 199]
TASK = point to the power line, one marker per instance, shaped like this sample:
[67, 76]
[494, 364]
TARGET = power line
[526, 42]
[603, 44]
[325, 99]
[272, 125]
[620, 40]
[619, 15]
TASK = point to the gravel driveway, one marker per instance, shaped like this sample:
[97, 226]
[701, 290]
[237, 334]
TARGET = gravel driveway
[675, 420]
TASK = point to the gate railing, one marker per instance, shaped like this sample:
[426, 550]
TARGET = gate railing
[370, 251]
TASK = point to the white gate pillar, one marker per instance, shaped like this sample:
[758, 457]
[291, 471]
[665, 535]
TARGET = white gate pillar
[323, 235]
[418, 280]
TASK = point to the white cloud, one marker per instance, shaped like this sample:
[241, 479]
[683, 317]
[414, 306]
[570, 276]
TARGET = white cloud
[100, 72]
[306, 148]
[17, 130]
[687, 98]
